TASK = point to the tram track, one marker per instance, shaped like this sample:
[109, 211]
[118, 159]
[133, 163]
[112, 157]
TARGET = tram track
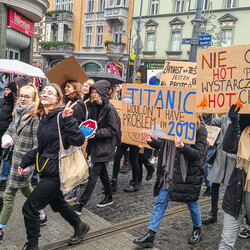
[123, 226]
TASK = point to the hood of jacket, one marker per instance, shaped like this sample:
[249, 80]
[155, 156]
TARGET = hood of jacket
[103, 88]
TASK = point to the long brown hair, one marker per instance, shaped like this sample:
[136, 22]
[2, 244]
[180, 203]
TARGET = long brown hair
[77, 89]
[41, 111]
[30, 111]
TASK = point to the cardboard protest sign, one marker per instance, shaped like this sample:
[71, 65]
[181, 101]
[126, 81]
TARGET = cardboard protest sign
[128, 138]
[223, 79]
[68, 69]
[179, 74]
[164, 112]
[212, 134]
[88, 127]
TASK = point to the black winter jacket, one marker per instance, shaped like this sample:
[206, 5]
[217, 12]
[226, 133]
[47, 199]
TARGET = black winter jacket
[190, 189]
[102, 146]
[48, 142]
[6, 110]
[233, 198]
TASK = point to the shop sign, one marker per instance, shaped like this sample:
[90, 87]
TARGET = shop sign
[154, 65]
[19, 23]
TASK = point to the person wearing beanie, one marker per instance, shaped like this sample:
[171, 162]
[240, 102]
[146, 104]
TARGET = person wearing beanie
[6, 109]
[2, 86]
[22, 81]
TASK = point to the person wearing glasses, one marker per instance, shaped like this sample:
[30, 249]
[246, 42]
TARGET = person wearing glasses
[21, 136]
[46, 156]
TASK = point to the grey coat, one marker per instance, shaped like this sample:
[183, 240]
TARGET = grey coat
[224, 163]
[26, 141]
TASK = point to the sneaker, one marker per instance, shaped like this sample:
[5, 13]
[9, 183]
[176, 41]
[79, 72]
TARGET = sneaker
[125, 167]
[1, 235]
[84, 182]
[44, 221]
[108, 200]
[244, 234]
[80, 231]
[77, 208]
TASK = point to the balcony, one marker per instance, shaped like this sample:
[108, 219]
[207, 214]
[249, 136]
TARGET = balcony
[56, 48]
[114, 51]
[116, 13]
[59, 15]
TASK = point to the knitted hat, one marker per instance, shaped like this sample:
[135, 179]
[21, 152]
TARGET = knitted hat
[23, 80]
[12, 87]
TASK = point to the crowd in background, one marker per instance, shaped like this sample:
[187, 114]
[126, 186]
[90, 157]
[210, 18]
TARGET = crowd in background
[30, 145]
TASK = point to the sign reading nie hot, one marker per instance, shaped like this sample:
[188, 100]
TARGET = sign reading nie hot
[179, 74]
[223, 79]
[165, 112]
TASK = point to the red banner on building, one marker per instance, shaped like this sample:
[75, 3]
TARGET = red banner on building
[19, 23]
[114, 70]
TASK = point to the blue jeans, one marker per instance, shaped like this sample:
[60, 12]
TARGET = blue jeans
[161, 205]
[5, 171]
[206, 168]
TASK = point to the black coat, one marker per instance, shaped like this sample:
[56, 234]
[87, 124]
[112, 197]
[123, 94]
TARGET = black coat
[48, 142]
[233, 198]
[6, 110]
[102, 146]
[190, 189]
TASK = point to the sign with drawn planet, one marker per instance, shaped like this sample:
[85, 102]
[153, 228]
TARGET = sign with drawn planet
[88, 127]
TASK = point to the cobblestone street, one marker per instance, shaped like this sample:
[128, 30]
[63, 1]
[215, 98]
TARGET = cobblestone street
[173, 233]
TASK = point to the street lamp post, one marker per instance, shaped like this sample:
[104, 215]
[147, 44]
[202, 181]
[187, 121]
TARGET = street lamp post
[137, 45]
[196, 32]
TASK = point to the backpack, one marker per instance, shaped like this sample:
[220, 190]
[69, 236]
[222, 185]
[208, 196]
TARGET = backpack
[118, 136]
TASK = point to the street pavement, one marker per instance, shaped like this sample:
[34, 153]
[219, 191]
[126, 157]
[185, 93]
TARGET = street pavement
[173, 232]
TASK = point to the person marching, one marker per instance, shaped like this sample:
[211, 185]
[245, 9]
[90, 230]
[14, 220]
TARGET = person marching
[236, 201]
[21, 134]
[179, 178]
[101, 144]
[46, 158]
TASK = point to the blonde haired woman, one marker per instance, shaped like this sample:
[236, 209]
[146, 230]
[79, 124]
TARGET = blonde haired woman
[46, 157]
[22, 135]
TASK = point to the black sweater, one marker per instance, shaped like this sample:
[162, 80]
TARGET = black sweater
[48, 142]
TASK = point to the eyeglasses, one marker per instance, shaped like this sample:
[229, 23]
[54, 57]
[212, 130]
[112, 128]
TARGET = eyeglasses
[25, 97]
[49, 93]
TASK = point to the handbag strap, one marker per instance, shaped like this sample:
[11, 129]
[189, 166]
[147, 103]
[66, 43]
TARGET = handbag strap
[59, 132]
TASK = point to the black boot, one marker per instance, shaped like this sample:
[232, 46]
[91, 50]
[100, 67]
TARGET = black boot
[150, 173]
[31, 245]
[108, 200]
[80, 231]
[211, 218]
[195, 236]
[2, 185]
[207, 192]
[131, 187]
[147, 240]
[114, 185]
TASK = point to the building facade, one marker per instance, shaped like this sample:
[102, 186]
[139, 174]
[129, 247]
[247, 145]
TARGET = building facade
[17, 20]
[168, 26]
[96, 32]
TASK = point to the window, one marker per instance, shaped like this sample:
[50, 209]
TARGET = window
[231, 3]
[37, 44]
[179, 4]
[204, 7]
[99, 36]
[88, 36]
[118, 2]
[227, 34]
[154, 7]
[150, 41]
[58, 5]
[110, 3]
[176, 39]
[71, 4]
[91, 67]
[101, 5]
[117, 37]
[90, 6]
[64, 4]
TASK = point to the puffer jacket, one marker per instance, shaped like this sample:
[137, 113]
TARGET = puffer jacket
[102, 146]
[190, 189]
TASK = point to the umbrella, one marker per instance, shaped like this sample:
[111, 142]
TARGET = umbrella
[20, 68]
[113, 79]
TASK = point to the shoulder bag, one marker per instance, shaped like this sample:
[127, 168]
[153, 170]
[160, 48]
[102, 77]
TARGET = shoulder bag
[73, 168]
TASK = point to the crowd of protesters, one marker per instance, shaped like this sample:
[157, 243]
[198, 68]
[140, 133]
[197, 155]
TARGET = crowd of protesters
[30, 137]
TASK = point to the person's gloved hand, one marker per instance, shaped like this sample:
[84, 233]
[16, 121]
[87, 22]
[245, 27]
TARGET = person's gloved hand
[233, 115]
[7, 141]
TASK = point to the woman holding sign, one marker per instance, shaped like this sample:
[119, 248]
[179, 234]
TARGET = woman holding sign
[179, 178]
[47, 163]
